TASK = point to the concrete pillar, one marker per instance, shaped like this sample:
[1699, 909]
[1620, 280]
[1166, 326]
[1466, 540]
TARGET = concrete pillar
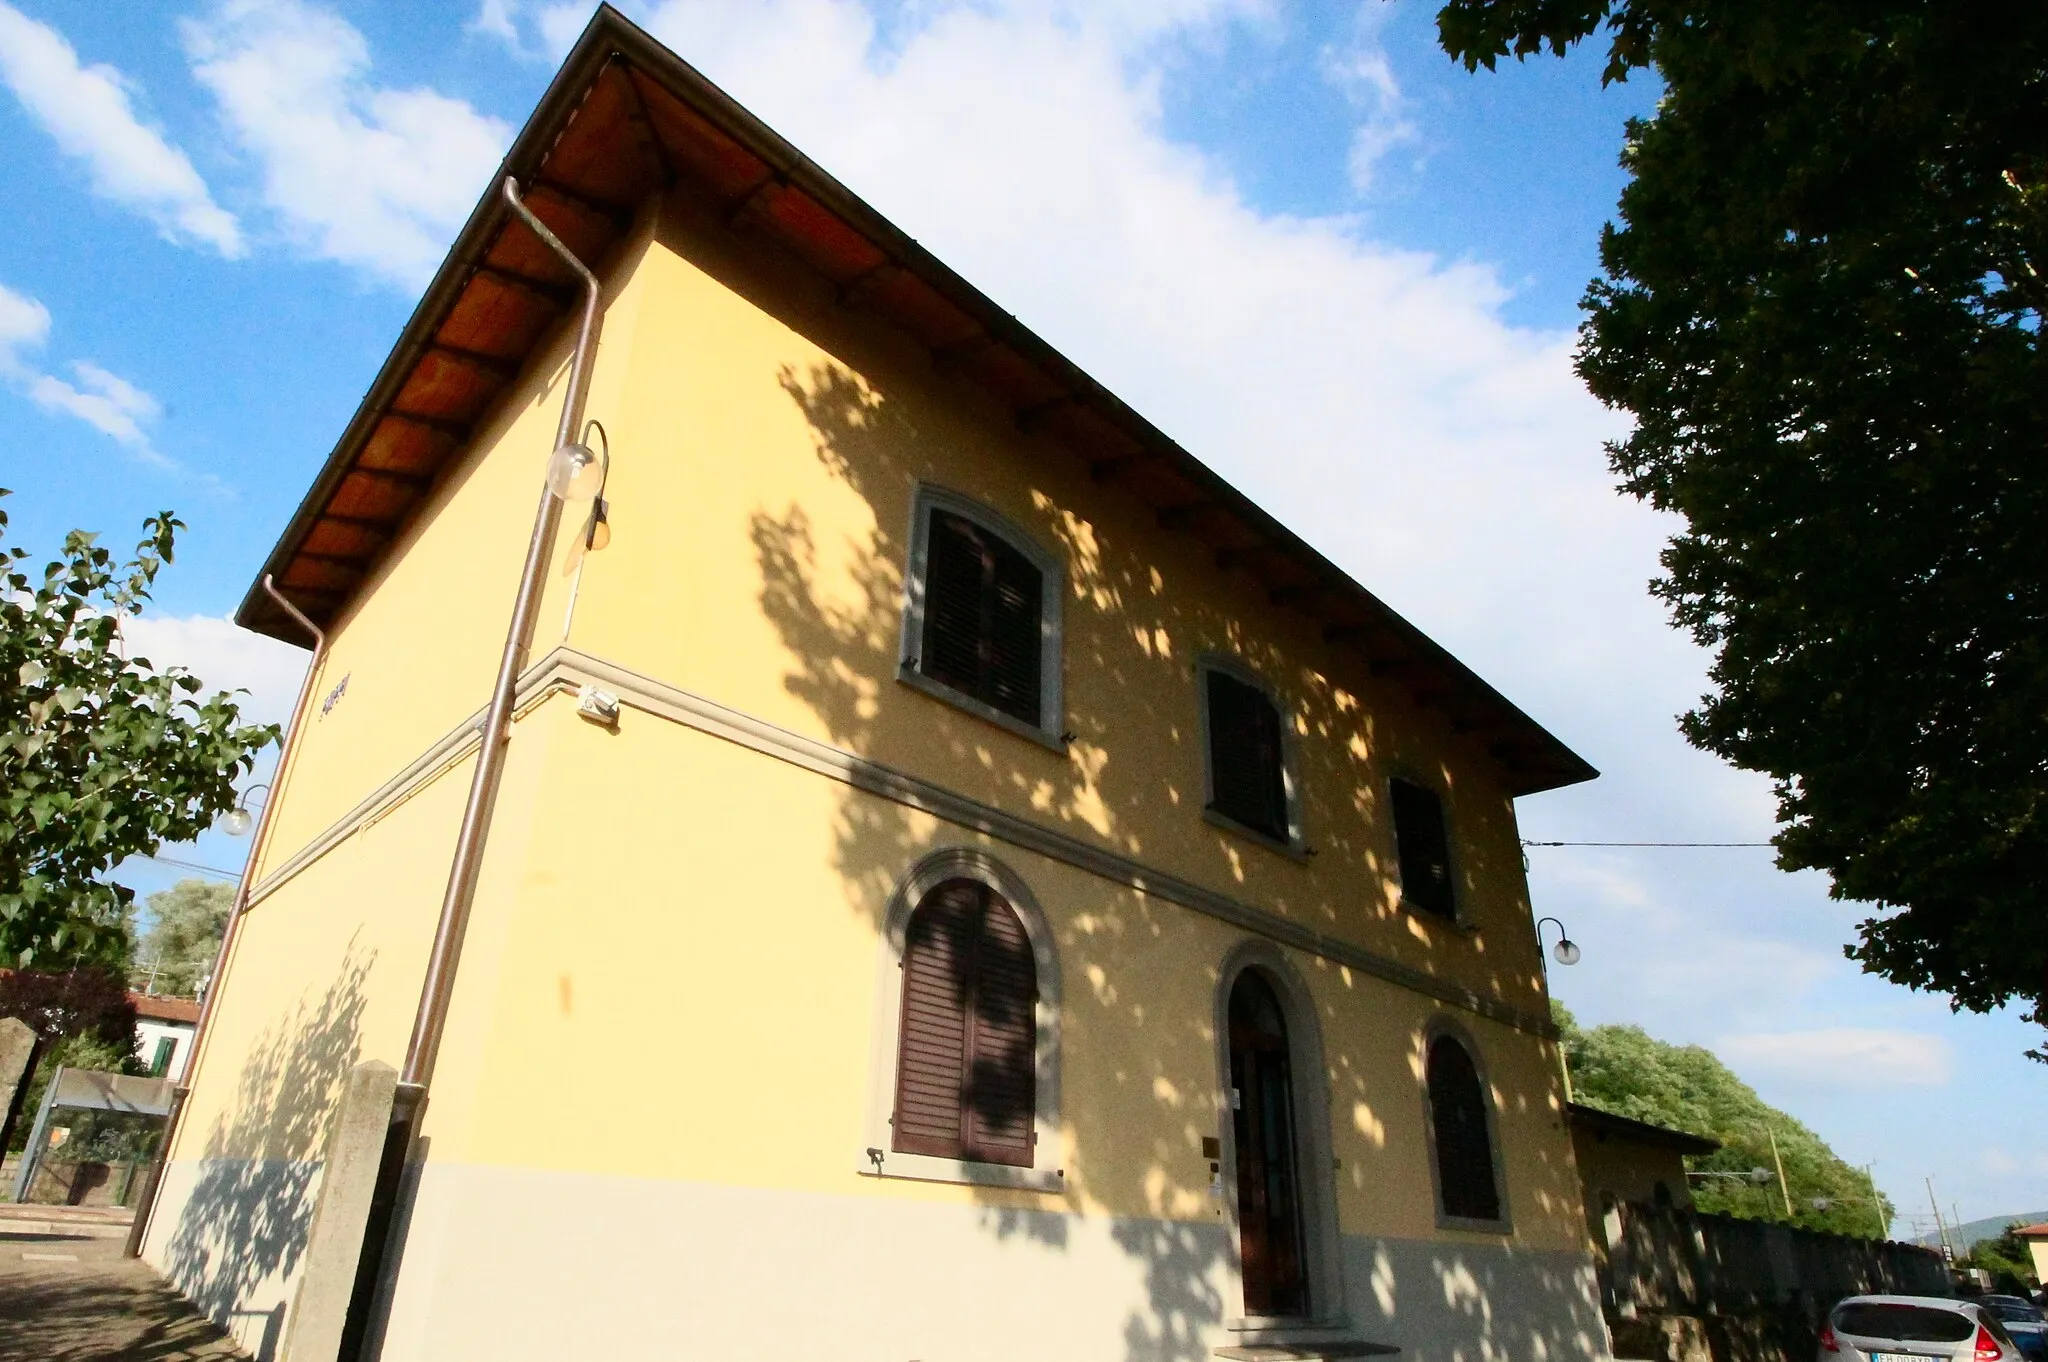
[334, 1246]
[17, 1053]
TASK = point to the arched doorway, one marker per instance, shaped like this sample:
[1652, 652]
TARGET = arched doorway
[1272, 1244]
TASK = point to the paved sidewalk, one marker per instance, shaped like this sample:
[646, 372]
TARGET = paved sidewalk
[67, 1294]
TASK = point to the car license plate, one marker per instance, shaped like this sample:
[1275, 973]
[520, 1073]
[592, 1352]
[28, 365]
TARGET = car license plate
[1898, 1357]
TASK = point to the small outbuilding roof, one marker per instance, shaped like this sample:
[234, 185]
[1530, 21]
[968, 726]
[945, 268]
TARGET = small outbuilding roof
[158, 1008]
[626, 117]
[1606, 1123]
[2039, 1231]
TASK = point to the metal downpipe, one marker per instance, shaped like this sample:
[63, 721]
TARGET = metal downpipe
[257, 845]
[496, 729]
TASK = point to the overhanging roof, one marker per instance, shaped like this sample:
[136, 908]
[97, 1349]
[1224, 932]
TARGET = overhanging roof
[625, 117]
[1642, 1132]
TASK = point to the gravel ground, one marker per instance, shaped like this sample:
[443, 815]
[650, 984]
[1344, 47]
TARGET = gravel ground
[67, 1295]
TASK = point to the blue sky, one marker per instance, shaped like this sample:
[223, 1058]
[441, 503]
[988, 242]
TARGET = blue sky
[1297, 236]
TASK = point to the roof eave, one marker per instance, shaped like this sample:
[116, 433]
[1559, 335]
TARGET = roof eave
[1548, 764]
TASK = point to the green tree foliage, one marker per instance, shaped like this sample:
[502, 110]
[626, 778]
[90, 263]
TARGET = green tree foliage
[1822, 305]
[1683, 1087]
[176, 953]
[102, 757]
[2006, 1258]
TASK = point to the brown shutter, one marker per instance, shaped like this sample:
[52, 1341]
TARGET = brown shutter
[984, 609]
[1247, 780]
[1015, 634]
[1464, 1153]
[1425, 849]
[1002, 1083]
[938, 954]
[966, 1085]
[953, 573]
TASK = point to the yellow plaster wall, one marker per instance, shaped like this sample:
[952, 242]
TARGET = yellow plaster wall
[683, 985]
[420, 646]
[768, 445]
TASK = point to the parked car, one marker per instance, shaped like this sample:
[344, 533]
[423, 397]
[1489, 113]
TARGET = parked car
[1915, 1329]
[2024, 1321]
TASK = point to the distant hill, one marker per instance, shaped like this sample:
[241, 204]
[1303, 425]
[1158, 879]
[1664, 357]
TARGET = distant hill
[1990, 1227]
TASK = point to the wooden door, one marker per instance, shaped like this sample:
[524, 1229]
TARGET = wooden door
[1269, 1213]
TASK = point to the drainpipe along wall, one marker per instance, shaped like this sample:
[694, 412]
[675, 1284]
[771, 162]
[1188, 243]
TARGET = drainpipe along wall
[409, 1102]
[258, 844]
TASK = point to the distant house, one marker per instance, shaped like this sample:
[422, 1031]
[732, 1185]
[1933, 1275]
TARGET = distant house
[2036, 1239]
[163, 1033]
[1624, 1160]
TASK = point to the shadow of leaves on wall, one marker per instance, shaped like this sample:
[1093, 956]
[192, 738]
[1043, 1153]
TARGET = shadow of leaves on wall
[249, 1213]
[1130, 770]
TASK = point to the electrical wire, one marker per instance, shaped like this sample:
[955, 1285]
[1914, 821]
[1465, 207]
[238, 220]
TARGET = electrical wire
[194, 865]
[1527, 843]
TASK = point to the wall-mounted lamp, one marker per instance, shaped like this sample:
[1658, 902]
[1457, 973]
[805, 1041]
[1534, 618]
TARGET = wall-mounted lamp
[587, 479]
[1566, 951]
[574, 471]
[238, 820]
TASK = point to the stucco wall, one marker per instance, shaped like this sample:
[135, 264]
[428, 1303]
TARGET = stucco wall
[1626, 1169]
[654, 882]
[768, 444]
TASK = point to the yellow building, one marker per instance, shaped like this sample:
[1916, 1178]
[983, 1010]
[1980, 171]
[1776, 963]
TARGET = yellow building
[965, 883]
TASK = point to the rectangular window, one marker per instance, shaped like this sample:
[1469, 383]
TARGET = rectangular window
[1424, 850]
[983, 626]
[160, 1062]
[1247, 766]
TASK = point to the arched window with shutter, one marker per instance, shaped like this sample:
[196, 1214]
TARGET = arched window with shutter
[964, 1080]
[1461, 1136]
[967, 1030]
[981, 625]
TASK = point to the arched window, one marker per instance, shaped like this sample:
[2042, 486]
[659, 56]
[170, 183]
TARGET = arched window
[1467, 1186]
[966, 1084]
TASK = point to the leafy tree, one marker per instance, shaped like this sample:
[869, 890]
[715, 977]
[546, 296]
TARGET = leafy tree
[81, 1017]
[176, 953]
[92, 1001]
[1822, 304]
[2006, 1258]
[1624, 1070]
[102, 757]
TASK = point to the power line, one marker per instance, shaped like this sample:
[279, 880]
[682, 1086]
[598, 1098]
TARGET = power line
[194, 865]
[1526, 842]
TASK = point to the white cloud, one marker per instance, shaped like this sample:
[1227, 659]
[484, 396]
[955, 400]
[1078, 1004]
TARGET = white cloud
[225, 657]
[1842, 1057]
[24, 323]
[107, 402]
[1365, 75]
[553, 26]
[89, 113]
[372, 177]
[111, 405]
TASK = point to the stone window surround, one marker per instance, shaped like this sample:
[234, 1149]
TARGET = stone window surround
[1050, 728]
[930, 871]
[1295, 845]
[1442, 1026]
